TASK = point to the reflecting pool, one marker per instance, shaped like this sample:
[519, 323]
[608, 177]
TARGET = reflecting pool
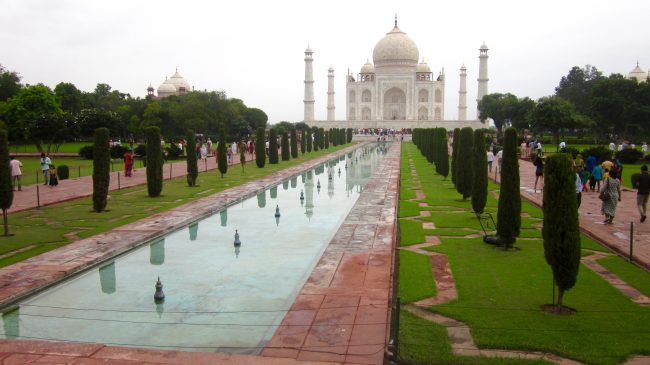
[218, 296]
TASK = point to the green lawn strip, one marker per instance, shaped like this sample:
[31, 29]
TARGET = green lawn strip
[47, 226]
[500, 293]
[409, 209]
[589, 244]
[424, 342]
[68, 147]
[411, 232]
[416, 274]
[631, 274]
[450, 232]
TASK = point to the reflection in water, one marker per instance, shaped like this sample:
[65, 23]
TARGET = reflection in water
[11, 324]
[309, 196]
[277, 220]
[330, 188]
[160, 309]
[261, 199]
[285, 185]
[107, 278]
[274, 192]
[237, 250]
[302, 178]
[194, 230]
[157, 252]
[224, 217]
[294, 182]
[320, 169]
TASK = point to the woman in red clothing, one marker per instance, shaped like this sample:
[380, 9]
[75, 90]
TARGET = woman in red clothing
[128, 163]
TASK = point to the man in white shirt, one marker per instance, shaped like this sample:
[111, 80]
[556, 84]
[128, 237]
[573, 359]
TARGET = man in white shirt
[500, 158]
[562, 145]
[612, 146]
[490, 159]
[16, 173]
[45, 166]
[644, 148]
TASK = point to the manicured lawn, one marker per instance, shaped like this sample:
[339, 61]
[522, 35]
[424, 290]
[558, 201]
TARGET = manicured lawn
[416, 276]
[69, 147]
[631, 274]
[41, 230]
[411, 232]
[500, 293]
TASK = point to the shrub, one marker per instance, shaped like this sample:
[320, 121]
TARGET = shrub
[260, 148]
[273, 146]
[6, 188]
[101, 169]
[479, 183]
[222, 156]
[509, 208]
[154, 162]
[285, 147]
[173, 152]
[561, 230]
[117, 151]
[141, 149]
[294, 143]
[602, 153]
[63, 172]
[192, 163]
[86, 152]
[465, 173]
[629, 156]
[571, 151]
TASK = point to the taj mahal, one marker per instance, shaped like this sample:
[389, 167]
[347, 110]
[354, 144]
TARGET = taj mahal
[397, 90]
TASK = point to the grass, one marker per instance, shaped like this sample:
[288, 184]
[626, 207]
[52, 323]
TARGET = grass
[415, 273]
[411, 232]
[40, 230]
[68, 147]
[631, 274]
[500, 294]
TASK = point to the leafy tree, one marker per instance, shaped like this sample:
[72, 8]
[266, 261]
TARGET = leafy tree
[309, 141]
[480, 181]
[6, 188]
[509, 209]
[561, 231]
[521, 119]
[294, 143]
[192, 164]
[30, 104]
[577, 87]
[273, 146]
[500, 107]
[465, 174]
[222, 160]
[101, 169]
[90, 119]
[260, 148]
[555, 114]
[9, 84]
[303, 141]
[617, 103]
[154, 162]
[69, 96]
[454, 156]
[443, 154]
[285, 147]
[256, 118]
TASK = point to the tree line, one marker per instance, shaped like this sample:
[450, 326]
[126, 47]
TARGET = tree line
[586, 102]
[47, 117]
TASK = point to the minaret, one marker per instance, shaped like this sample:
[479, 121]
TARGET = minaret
[309, 86]
[482, 73]
[330, 95]
[462, 94]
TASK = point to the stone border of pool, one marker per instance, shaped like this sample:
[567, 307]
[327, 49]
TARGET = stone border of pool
[341, 314]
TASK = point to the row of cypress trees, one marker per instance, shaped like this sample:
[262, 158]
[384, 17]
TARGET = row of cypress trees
[433, 145]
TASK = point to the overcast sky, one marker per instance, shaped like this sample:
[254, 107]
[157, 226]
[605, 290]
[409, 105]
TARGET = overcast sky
[253, 50]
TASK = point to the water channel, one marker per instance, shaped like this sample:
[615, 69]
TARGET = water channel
[218, 297]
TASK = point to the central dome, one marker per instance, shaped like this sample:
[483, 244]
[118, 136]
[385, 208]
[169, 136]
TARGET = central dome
[396, 49]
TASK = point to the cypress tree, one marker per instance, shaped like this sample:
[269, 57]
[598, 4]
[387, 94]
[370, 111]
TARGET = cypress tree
[509, 213]
[480, 182]
[349, 132]
[327, 139]
[154, 162]
[316, 143]
[333, 137]
[294, 143]
[285, 147]
[222, 156]
[443, 166]
[242, 157]
[465, 172]
[309, 141]
[454, 155]
[303, 141]
[6, 188]
[192, 164]
[273, 146]
[101, 169]
[561, 231]
[321, 138]
[260, 148]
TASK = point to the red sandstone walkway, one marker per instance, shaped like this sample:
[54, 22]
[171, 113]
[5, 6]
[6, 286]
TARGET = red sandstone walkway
[83, 186]
[615, 236]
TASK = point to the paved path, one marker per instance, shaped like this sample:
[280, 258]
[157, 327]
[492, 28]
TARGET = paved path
[615, 236]
[33, 195]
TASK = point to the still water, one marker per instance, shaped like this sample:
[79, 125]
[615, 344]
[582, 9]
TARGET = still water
[218, 297]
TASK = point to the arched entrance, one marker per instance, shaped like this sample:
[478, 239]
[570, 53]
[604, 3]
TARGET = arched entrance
[395, 104]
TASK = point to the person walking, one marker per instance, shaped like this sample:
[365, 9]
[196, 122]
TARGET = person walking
[128, 163]
[643, 186]
[54, 180]
[490, 159]
[597, 175]
[539, 170]
[579, 189]
[16, 173]
[45, 166]
[610, 195]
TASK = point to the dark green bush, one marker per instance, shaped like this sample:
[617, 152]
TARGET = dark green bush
[154, 162]
[454, 155]
[273, 146]
[192, 163]
[141, 149]
[629, 156]
[602, 153]
[260, 148]
[101, 169]
[349, 135]
[6, 188]
[285, 147]
[465, 172]
[117, 151]
[63, 172]
[86, 152]
[509, 207]
[480, 181]
[173, 152]
[222, 154]
[572, 151]
[294, 143]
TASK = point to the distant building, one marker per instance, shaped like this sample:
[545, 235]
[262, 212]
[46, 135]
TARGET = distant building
[638, 74]
[175, 85]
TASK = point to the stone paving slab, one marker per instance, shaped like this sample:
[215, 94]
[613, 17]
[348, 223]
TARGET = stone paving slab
[343, 308]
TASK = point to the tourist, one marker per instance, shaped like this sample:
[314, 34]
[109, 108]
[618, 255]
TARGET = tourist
[16, 173]
[204, 152]
[643, 186]
[490, 159]
[54, 180]
[612, 147]
[523, 149]
[578, 189]
[539, 171]
[595, 178]
[229, 154]
[45, 166]
[584, 177]
[644, 148]
[128, 163]
[562, 145]
[591, 163]
[539, 147]
[209, 145]
[610, 195]
[499, 158]
[607, 165]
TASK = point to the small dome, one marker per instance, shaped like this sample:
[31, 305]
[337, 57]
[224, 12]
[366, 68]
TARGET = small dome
[423, 67]
[166, 87]
[463, 68]
[637, 74]
[179, 82]
[483, 47]
[368, 68]
[396, 49]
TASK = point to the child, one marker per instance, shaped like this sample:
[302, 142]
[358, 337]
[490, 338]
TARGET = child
[54, 181]
[584, 177]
